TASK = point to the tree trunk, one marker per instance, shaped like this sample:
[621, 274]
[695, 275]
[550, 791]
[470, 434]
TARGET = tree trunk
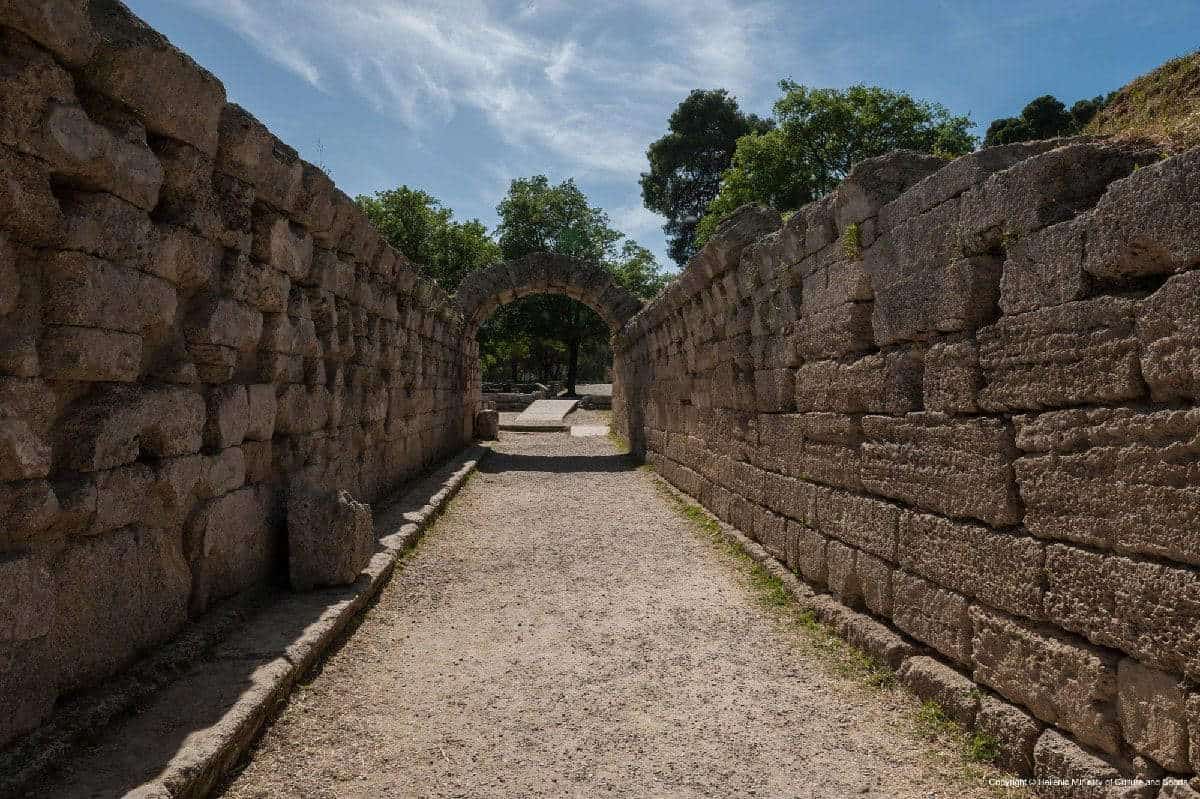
[572, 364]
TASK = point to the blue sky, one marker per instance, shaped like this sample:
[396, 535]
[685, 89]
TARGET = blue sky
[457, 97]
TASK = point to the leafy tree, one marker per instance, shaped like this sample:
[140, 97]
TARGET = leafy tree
[536, 216]
[686, 164]
[819, 135]
[419, 226]
[1044, 117]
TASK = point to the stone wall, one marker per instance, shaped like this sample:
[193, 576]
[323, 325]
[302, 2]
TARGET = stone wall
[961, 398]
[192, 319]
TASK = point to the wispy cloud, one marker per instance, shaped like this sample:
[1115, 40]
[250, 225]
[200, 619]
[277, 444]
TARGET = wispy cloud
[545, 75]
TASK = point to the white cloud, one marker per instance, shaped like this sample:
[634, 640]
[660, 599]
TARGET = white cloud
[588, 87]
[636, 221]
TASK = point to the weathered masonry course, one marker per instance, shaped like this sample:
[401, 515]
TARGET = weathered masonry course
[960, 397]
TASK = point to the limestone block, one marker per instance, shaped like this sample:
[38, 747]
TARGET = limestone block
[875, 583]
[841, 576]
[223, 323]
[229, 545]
[302, 409]
[109, 228]
[283, 244]
[956, 467]
[259, 461]
[834, 332]
[937, 682]
[61, 26]
[1152, 708]
[1145, 224]
[867, 524]
[1073, 354]
[248, 151]
[118, 595]
[932, 615]
[29, 508]
[817, 447]
[1060, 680]
[806, 554]
[1113, 478]
[875, 182]
[24, 455]
[861, 631]
[115, 424]
[879, 383]
[1071, 772]
[262, 411]
[126, 495]
[774, 390]
[330, 538]
[87, 292]
[952, 378]
[770, 529]
[789, 497]
[228, 416]
[184, 258]
[1045, 268]
[136, 66]
[1168, 326]
[27, 207]
[1001, 569]
[91, 157]
[28, 684]
[1014, 730]
[256, 284]
[1193, 722]
[90, 354]
[26, 594]
[1146, 609]
[1043, 190]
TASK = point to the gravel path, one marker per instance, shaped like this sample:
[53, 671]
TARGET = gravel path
[563, 632]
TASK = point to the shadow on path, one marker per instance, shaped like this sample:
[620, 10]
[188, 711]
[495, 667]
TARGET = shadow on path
[499, 462]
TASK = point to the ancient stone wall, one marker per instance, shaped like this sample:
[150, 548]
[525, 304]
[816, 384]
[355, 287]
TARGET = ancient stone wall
[961, 398]
[192, 319]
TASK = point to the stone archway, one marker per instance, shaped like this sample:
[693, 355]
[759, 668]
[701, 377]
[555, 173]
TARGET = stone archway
[483, 291]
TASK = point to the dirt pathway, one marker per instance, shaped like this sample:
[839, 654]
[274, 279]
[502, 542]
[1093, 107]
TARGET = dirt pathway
[563, 632]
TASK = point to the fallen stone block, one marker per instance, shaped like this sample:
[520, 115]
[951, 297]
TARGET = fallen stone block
[330, 538]
[230, 546]
[937, 682]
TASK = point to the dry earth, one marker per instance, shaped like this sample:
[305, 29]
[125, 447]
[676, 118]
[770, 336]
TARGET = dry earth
[563, 632]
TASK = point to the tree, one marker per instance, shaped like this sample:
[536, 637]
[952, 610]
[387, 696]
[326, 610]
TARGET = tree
[419, 226]
[819, 135]
[1043, 117]
[686, 164]
[536, 216]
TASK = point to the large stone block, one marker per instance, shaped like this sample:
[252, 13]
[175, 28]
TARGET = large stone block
[880, 383]
[230, 546]
[932, 615]
[1113, 478]
[28, 208]
[874, 583]
[61, 26]
[283, 244]
[26, 592]
[1068, 771]
[952, 378]
[117, 595]
[262, 410]
[228, 416]
[956, 467]
[1148, 610]
[24, 454]
[1014, 730]
[867, 524]
[88, 292]
[817, 447]
[1045, 269]
[790, 497]
[841, 576]
[115, 425]
[330, 538]
[1168, 326]
[1001, 569]
[223, 323]
[1153, 711]
[1073, 354]
[1145, 224]
[937, 682]
[806, 554]
[29, 509]
[29, 685]
[1060, 680]
[136, 66]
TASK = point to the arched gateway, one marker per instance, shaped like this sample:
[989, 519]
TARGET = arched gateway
[483, 291]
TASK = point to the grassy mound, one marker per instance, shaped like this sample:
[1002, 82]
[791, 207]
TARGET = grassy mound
[1162, 106]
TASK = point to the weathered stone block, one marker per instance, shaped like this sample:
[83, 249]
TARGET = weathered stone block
[1001, 569]
[61, 26]
[229, 546]
[115, 424]
[1146, 609]
[29, 685]
[806, 554]
[29, 209]
[29, 508]
[790, 497]
[283, 244]
[1153, 713]
[1014, 730]
[223, 323]
[249, 152]
[24, 455]
[937, 682]
[330, 538]
[262, 408]
[1193, 723]
[1113, 478]
[817, 447]
[956, 467]
[880, 383]
[841, 576]
[932, 615]
[90, 354]
[118, 594]
[1168, 326]
[1070, 772]
[1061, 681]
[1045, 269]
[867, 524]
[952, 378]
[774, 390]
[1074, 354]
[26, 591]
[875, 583]
[770, 530]
[88, 292]
[136, 66]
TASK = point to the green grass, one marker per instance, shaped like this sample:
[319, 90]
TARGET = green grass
[1162, 106]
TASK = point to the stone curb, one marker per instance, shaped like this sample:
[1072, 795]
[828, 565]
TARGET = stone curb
[251, 674]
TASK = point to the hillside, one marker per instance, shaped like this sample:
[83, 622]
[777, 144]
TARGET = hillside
[1163, 105]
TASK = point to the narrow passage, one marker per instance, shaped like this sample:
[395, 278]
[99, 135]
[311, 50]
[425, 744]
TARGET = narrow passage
[562, 631]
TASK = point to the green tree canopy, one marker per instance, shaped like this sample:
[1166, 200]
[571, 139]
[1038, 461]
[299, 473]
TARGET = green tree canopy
[419, 226]
[1043, 117]
[686, 164]
[819, 135]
